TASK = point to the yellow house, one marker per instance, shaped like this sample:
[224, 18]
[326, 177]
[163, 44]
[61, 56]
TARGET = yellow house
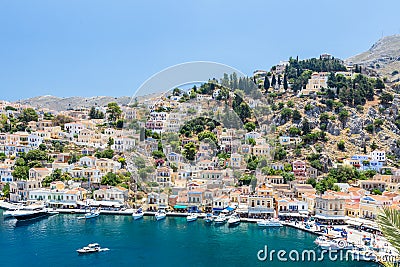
[352, 209]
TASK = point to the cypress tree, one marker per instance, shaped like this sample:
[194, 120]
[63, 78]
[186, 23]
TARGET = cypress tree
[285, 83]
[266, 83]
[273, 81]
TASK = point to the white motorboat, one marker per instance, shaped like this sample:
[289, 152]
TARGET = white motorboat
[191, 217]
[138, 214]
[221, 219]
[363, 254]
[92, 214]
[335, 244]
[209, 218]
[9, 213]
[91, 248]
[320, 239]
[160, 215]
[269, 223]
[29, 213]
[234, 220]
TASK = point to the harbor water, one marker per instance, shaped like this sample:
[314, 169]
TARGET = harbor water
[53, 241]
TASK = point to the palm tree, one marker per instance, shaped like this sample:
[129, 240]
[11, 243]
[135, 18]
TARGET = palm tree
[389, 224]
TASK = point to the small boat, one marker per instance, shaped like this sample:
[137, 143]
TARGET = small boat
[52, 212]
[138, 214]
[191, 217]
[91, 248]
[160, 215]
[221, 219]
[269, 223]
[234, 220]
[209, 218]
[363, 254]
[336, 244]
[92, 214]
[321, 239]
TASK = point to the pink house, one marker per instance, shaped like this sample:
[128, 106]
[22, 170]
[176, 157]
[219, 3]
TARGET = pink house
[299, 168]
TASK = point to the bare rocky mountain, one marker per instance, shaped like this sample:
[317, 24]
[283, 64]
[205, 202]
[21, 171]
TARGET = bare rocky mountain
[74, 102]
[383, 57]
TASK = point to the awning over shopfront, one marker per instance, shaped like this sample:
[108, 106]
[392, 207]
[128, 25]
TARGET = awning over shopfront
[180, 207]
[327, 217]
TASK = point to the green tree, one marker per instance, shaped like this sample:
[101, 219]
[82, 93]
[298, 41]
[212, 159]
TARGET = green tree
[106, 153]
[27, 115]
[286, 113]
[273, 80]
[250, 126]
[285, 82]
[207, 135]
[6, 190]
[296, 116]
[341, 145]
[139, 162]
[386, 98]
[120, 124]
[2, 157]
[110, 179]
[379, 84]
[280, 153]
[306, 129]
[157, 154]
[42, 147]
[189, 151]
[110, 142]
[266, 84]
[294, 131]
[21, 172]
[61, 120]
[36, 154]
[114, 111]
[288, 176]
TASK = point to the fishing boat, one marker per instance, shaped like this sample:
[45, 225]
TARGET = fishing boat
[191, 217]
[209, 218]
[221, 219]
[160, 215]
[138, 214]
[91, 248]
[269, 223]
[234, 220]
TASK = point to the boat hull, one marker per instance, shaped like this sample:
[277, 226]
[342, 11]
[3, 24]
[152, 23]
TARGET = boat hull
[160, 217]
[137, 216]
[30, 215]
[233, 224]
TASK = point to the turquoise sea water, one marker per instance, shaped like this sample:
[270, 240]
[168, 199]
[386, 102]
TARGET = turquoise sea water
[172, 242]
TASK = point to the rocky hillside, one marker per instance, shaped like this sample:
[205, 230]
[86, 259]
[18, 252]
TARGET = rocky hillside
[64, 103]
[371, 127]
[383, 57]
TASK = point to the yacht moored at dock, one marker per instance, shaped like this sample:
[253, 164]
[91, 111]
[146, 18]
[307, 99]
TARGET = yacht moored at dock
[138, 214]
[234, 220]
[191, 217]
[160, 215]
[269, 223]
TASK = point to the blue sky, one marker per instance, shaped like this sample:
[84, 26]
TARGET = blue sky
[95, 47]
